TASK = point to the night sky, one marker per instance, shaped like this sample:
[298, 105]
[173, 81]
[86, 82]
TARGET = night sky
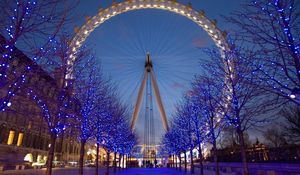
[173, 41]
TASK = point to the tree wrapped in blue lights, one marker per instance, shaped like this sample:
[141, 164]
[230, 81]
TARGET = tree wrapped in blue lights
[271, 28]
[180, 138]
[65, 107]
[197, 123]
[112, 131]
[242, 102]
[206, 99]
[34, 26]
[172, 142]
[89, 87]
[31, 26]
[197, 120]
[124, 139]
[105, 108]
[183, 122]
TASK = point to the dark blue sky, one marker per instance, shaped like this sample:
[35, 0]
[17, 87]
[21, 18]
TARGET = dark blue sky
[173, 41]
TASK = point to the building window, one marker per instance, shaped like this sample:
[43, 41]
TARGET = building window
[20, 139]
[11, 137]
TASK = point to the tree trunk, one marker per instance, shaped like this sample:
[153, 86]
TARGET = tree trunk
[173, 162]
[179, 162]
[175, 159]
[97, 159]
[120, 156]
[81, 157]
[51, 154]
[201, 159]
[185, 163]
[115, 162]
[123, 161]
[216, 156]
[192, 161]
[126, 163]
[243, 152]
[107, 163]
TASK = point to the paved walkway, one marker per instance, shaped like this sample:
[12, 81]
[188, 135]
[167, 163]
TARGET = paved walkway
[91, 171]
[150, 171]
[162, 171]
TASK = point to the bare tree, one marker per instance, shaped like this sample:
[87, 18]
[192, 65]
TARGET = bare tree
[230, 139]
[274, 137]
[291, 116]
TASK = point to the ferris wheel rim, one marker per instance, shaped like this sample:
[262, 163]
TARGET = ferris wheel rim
[103, 15]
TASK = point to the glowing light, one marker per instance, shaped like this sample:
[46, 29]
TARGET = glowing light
[28, 157]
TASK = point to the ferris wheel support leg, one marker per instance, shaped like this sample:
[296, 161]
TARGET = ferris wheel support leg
[159, 101]
[138, 103]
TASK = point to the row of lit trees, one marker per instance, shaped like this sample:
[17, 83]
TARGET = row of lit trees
[242, 84]
[104, 120]
[226, 95]
[88, 102]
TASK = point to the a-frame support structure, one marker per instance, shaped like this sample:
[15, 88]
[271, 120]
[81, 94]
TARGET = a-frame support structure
[149, 71]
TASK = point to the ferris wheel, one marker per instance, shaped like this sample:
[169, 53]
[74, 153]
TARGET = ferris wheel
[171, 32]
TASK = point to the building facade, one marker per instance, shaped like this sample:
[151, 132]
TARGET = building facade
[24, 133]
